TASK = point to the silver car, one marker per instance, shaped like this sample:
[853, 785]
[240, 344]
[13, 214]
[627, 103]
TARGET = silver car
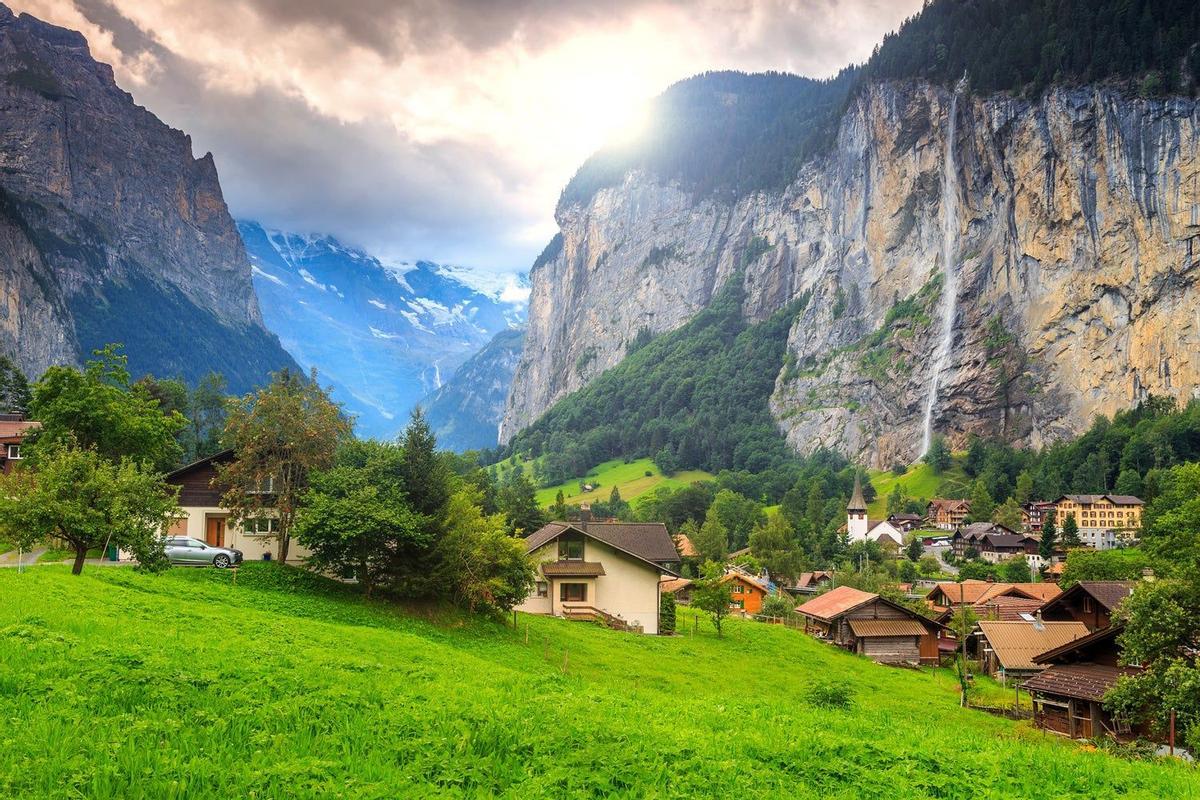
[185, 551]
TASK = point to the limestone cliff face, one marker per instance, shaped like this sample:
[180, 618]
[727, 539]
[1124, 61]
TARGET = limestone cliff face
[111, 230]
[1070, 225]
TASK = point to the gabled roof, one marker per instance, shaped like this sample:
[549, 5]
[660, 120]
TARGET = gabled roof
[1006, 539]
[673, 585]
[836, 602]
[1082, 648]
[980, 529]
[813, 578]
[645, 541]
[685, 547]
[968, 591]
[14, 429]
[1108, 594]
[1007, 607]
[750, 580]
[1017, 643]
[950, 504]
[1081, 681]
[221, 457]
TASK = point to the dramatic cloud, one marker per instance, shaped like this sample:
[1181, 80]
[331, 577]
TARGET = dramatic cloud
[426, 129]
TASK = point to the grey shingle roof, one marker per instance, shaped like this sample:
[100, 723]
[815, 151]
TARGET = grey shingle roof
[646, 540]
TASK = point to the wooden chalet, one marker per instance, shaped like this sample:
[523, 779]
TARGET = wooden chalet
[1068, 694]
[1089, 602]
[13, 430]
[947, 514]
[813, 582]
[1034, 515]
[971, 592]
[905, 522]
[681, 588]
[1007, 648]
[873, 626]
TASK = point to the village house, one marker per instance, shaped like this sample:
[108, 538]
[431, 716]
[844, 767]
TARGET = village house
[747, 591]
[905, 522]
[873, 626]
[1089, 602]
[1104, 520]
[950, 594]
[1068, 694]
[681, 588]
[204, 517]
[997, 547]
[608, 571]
[1007, 647]
[947, 514]
[812, 582]
[13, 430]
[970, 537]
[1034, 515]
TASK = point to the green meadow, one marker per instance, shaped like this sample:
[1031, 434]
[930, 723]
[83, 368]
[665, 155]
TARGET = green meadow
[116, 684]
[919, 481]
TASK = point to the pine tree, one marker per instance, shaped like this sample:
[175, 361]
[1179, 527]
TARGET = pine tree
[1070, 532]
[1049, 539]
[915, 549]
[426, 478]
[938, 457]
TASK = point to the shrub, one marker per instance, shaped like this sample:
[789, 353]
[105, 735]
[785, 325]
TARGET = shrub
[666, 613]
[829, 694]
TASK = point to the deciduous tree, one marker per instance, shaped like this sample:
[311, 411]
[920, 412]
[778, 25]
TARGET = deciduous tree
[483, 566]
[280, 434]
[86, 500]
[712, 595]
[98, 408]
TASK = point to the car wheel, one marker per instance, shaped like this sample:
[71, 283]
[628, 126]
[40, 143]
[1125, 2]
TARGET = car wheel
[221, 561]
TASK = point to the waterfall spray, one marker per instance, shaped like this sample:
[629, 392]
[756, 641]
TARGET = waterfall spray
[949, 302]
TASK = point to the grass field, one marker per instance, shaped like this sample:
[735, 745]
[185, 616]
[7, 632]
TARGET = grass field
[919, 481]
[121, 685]
[630, 478]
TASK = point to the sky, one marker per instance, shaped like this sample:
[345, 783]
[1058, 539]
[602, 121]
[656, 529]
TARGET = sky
[436, 130]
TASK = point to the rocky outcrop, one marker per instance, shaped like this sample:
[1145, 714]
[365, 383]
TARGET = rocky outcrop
[1073, 241]
[112, 230]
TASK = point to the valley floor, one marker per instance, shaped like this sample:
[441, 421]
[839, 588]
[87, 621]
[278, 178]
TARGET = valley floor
[117, 684]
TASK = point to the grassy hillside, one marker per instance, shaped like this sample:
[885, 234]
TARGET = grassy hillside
[116, 684]
[919, 481]
[631, 479]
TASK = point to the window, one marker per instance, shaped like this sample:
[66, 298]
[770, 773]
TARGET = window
[14, 452]
[262, 526]
[266, 486]
[543, 589]
[570, 548]
[1087, 605]
[572, 592]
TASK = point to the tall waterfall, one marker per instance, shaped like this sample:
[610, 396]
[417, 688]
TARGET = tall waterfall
[949, 304]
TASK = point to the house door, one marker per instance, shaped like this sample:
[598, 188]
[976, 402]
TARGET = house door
[216, 531]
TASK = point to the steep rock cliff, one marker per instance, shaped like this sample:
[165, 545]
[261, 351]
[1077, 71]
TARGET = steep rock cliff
[1070, 225]
[110, 229]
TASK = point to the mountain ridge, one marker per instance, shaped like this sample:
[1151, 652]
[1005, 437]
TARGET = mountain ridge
[110, 229]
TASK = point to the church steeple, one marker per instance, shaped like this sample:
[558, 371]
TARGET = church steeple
[857, 503]
[856, 513]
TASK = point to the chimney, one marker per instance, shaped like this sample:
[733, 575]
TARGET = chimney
[1037, 621]
[585, 515]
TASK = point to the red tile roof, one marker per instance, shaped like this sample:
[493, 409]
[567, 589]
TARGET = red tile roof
[887, 627]
[16, 429]
[1017, 643]
[835, 602]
